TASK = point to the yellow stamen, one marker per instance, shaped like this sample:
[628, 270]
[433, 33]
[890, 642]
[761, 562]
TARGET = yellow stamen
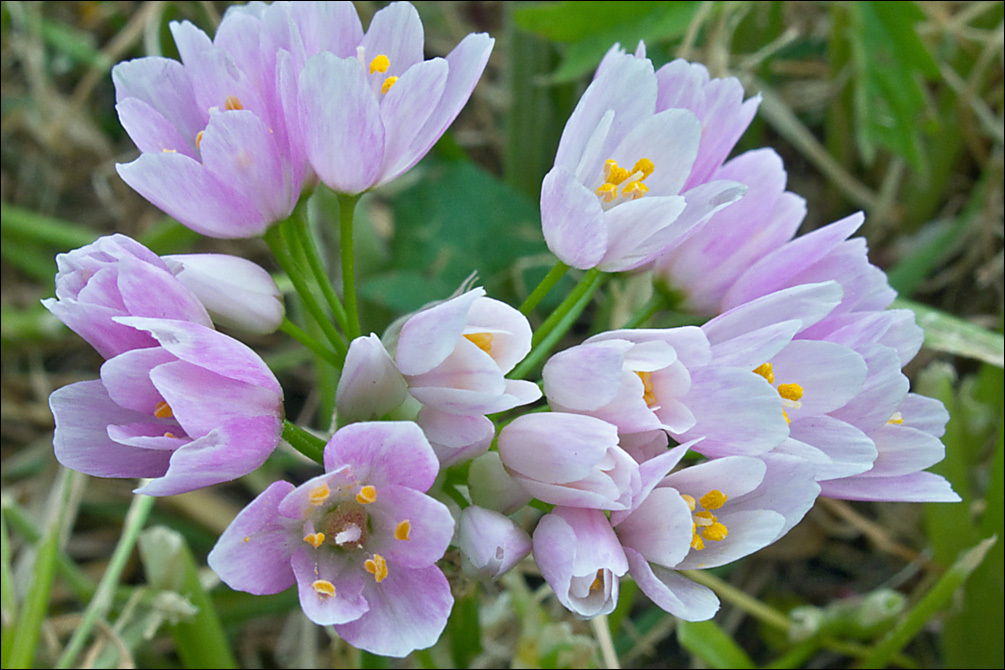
[232, 102]
[247, 538]
[315, 539]
[896, 419]
[324, 587]
[766, 371]
[714, 499]
[634, 190]
[163, 410]
[170, 435]
[380, 63]
[319, 494]
[785, 415]
[481, 340]
[790, 391]
[716, 532]
[689, 500]
[388, 83]
[647, 388]
[367, 494]
[403, 530]
[645, 166]
[613, 174]
[696, 542]
[169, 151]
[377, 567]
[598, 581]
[607, 192]
[198, 138]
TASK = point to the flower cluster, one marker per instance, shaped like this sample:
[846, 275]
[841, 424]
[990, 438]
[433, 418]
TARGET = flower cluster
[659, 450]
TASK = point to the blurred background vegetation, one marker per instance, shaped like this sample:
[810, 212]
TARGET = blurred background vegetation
[895, 108]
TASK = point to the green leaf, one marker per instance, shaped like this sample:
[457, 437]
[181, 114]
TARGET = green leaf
[591, 28]
[707, 641]
[951, 334]
[891, 63]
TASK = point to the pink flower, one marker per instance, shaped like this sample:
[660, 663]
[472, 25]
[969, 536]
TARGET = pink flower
[360, 541]
[490, 543]
[198, 409]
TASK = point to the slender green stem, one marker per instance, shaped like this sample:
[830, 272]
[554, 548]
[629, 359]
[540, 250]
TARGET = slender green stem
[136, 517]
[279, 243]
[568, 315]
[738, 598]
[655, 304]
[78, 582]
[298, 222]
[548, 283]
[581, 288]
[346, 211]
[301, 336]
[309, 445]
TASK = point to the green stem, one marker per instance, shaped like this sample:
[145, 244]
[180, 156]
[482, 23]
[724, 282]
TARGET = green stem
[655, 304]
[346, 210]
[309, 445]
[301, 336]
[298, 222]
[548, 283]
[136, 517]
[280, 245]
[568, 313]
[581, 288]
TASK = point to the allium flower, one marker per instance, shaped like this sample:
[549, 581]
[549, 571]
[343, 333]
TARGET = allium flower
[616, 197]
[236, 292]
[116, 276]
[217, 153]
[392, 104]
[490, 543]
[666, 379]
[580, 557]
[709, 515]
[360, 541]
[707, 264]
[199, 409]
[570, 460]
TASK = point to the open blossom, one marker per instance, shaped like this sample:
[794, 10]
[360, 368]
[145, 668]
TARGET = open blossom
[360, 541]
[705, 266]
[216, 150]
[393, 105]
[616, 197]
[117, 276]
[198, 409]
[570, 460]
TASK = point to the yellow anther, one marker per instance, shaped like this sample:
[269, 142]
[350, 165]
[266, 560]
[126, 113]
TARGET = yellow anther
[377, 567]
[614, 174]
[367, 494]
[380, 63]
[696, 542]
[790, 391]
[785, 415]
[169, 151]
[481, 340]
[247, 538]
[689, 500]
[388, 83]
[198, 138]
[163, 410]
[607, 192]
[896, 419]
[598, 581]
[715, 532]
[634, 190]
[403, 530]
[714, 499]
[315, 539]
[647, 388]
[324, 587]
[319, 494]
[170, 435]
[766, 371]
[703, 518]
[645, 166]
[232, 102]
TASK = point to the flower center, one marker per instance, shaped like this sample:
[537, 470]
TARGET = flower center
[647, 388]
[380, 63]
[791, 393]
[346, 526]
[704, 524]
[630, 182]
[481, 340]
